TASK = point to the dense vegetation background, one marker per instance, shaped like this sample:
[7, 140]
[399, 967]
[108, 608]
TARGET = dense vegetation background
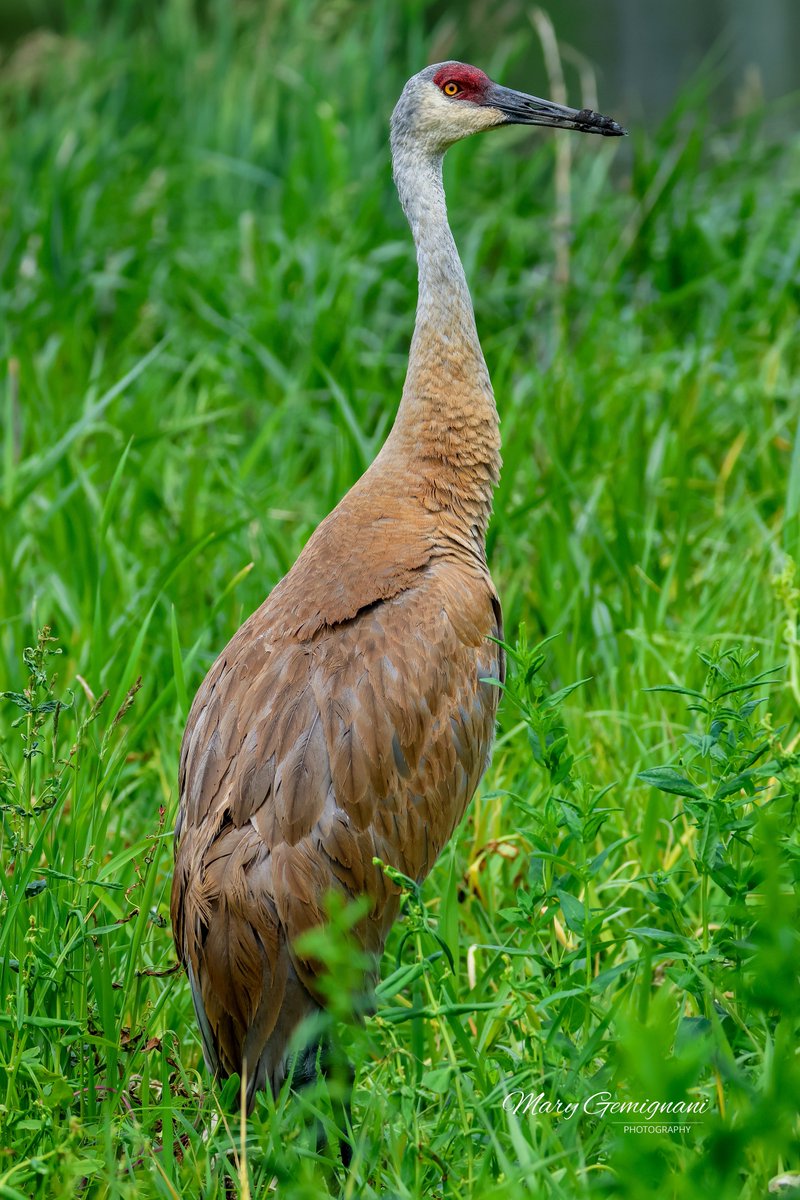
[207, 297]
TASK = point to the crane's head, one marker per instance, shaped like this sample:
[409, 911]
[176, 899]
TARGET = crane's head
[450, 101]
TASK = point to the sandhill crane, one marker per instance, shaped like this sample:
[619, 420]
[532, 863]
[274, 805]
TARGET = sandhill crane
[350, 717]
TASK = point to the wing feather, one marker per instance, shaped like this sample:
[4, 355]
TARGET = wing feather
[302, 761]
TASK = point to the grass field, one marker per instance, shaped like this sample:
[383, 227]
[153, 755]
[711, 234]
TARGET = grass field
[207, 297]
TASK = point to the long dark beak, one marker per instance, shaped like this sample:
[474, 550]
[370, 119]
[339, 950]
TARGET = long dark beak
[520, 109]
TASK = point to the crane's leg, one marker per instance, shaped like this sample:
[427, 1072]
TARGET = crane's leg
[322, 1059]
[339, 1071]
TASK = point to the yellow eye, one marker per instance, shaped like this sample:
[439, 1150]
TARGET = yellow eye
[451, 89]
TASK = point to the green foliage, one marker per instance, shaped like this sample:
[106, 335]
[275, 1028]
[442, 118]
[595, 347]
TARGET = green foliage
[207, 295]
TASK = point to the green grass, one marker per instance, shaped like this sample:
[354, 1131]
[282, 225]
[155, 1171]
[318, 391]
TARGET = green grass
[207, 298]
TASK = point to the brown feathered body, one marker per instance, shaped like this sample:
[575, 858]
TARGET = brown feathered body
[352, 716]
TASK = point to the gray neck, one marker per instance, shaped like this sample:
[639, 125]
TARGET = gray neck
[446, 431]
[445, 345]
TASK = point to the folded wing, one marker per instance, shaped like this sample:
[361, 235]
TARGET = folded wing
[301, 762]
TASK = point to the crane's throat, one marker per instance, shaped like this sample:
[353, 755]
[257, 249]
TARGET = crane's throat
[447, 420]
